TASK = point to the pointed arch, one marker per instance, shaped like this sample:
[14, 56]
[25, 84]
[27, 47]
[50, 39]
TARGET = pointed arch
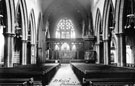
[25, 17]
[23, 9]
[124, 34]
[73, 47]
[98, 25]
[39, 25]
[107, 6]
[99, 33]
[119, 14]
[65, 46]
[120, 8]
[108, 23]
[21, 25]
[33, 27]
[31, 38]
[57, 47]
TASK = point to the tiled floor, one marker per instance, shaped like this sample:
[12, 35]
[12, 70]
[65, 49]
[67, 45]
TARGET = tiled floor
[65, 77]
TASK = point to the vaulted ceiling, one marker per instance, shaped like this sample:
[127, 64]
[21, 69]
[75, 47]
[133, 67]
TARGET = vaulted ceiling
[77, 10]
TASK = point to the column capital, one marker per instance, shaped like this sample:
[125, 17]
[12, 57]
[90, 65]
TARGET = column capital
[9, 34]
[24, 41]
[33, 44]
[105, 40]
[119, 34]
[97, 44]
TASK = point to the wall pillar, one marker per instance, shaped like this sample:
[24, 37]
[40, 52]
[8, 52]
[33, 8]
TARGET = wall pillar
[106, 52]
[121, 52]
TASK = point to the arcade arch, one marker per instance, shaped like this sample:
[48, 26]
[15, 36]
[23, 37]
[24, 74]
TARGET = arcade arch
[125, 31]
[108, 27]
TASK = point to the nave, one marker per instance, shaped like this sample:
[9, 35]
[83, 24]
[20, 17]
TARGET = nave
[65, 76]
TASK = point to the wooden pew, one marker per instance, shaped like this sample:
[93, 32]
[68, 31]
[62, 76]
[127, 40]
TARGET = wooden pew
[16, 81]
[110, 82]
[37, 83]
[41, 73]
[88, 72]
[49, 73]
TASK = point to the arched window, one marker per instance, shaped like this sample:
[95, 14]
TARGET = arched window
[65, 46]
[57, 34]
[74, 47]
[56, 47]
[65, 29]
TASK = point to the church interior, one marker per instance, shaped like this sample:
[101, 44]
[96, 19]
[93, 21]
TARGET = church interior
[67, 42]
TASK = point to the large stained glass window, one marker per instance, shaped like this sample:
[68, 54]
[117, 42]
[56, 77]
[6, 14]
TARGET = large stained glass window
[65, 29]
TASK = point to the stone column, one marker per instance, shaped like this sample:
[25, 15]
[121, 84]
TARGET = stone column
[121, 52]
[35, 53]
[106, 52]
[33, 61]
[39, 55]
[132, 58]
[77, 55]
[8, 50]
[24, 52]
[98, 52]
[37, 58]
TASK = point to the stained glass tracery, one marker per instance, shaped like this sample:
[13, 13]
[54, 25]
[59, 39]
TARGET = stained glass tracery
[65, 29]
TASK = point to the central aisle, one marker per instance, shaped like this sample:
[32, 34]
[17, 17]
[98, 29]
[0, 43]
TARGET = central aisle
[65, 77]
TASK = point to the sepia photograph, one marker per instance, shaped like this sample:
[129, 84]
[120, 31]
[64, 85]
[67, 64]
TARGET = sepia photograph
[67, 42]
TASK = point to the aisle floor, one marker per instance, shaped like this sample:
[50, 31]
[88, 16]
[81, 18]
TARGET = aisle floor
[65, 77]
